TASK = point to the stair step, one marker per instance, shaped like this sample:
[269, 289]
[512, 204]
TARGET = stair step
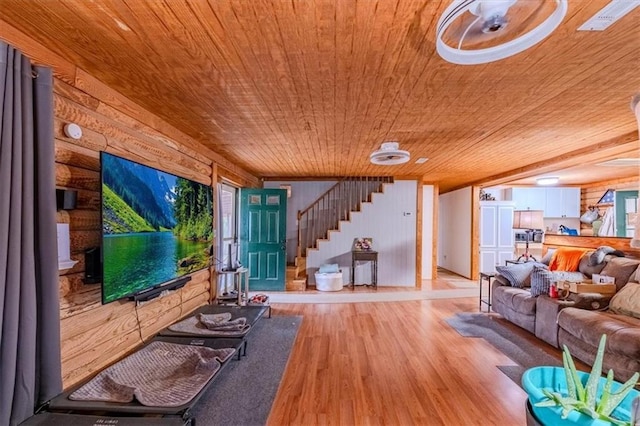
[298, 284]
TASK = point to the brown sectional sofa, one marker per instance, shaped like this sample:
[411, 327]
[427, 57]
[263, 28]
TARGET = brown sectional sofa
[579, 321]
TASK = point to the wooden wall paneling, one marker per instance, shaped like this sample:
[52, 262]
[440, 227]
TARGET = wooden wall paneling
[159, 313]
[96, 357]
[80, 220]
[82, 240]
[194, 290]
[91, 139]
[623, 244]
[72, 283]
[85, 299]
[87, 199]
[77, 177]
[67, 153]
[198, 276]
[98, 326]
[129, 143]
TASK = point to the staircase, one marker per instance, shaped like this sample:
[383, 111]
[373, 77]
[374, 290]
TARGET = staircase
[324, 215]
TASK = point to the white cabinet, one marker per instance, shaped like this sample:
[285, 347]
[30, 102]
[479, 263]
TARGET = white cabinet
[556, 201]
[562, 202]
[528, 198]
[496, 234]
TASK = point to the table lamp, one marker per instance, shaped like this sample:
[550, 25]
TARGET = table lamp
[528, 220]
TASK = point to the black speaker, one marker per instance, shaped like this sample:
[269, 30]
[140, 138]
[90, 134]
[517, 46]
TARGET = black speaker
[66, 199]
[92, 266]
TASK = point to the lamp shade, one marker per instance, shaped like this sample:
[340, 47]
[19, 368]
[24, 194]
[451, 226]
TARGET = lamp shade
[528, 219]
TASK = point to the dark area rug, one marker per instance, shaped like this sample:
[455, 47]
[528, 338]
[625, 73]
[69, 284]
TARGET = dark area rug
[523, 352]
[245, 390]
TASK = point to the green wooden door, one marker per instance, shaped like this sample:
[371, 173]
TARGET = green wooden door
[626, 203]
[263, 220]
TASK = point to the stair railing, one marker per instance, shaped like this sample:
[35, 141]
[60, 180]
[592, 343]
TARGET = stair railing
[324, 214]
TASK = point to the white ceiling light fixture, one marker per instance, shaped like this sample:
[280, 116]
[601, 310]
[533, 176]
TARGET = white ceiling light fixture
[551, 180]
[389, 154]
[492, 14]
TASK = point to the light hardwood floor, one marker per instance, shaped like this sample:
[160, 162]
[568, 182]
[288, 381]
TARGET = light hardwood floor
[395, 363]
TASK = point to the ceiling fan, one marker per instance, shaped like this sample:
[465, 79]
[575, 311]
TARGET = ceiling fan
[389, 154]
[480, 31]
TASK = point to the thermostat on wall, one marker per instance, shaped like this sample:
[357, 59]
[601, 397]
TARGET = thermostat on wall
[73, 131]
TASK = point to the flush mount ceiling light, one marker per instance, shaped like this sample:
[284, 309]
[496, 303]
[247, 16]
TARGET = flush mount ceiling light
[389, 154]
[547, 180]
[492, 17]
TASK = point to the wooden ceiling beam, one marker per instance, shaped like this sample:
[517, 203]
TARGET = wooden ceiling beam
[615, 147]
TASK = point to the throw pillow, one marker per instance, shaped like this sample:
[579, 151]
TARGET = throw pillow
[597, 257]
[621, 269]
[627, 301]
[518, 274]
[586, 268]
[547, 257]
[541, 279]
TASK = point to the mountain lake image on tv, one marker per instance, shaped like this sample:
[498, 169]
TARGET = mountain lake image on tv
[155, 227]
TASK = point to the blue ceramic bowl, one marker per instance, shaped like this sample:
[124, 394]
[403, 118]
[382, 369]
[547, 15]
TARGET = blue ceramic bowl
[553, 379]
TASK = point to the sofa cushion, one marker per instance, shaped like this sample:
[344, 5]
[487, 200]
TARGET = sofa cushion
[636, 276]
[517, 299]
[540, 281]
[621, 268]
[627, 301]
[623, 332]
[518, 274]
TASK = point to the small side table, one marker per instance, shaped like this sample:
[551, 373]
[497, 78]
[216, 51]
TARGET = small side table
[488, 276]
[365, 256]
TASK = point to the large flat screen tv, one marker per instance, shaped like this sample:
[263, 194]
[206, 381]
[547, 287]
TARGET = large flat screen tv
[156, 227]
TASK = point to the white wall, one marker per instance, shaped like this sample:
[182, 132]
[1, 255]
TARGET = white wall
[427, 232]
[302, 195]
[454, 231]
[390, 219]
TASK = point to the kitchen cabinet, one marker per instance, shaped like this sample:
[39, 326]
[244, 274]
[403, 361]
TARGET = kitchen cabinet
[527, 198]
[555, 202]
[562, 202]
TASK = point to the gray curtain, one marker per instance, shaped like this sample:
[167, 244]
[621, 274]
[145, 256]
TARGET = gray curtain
[29, 302]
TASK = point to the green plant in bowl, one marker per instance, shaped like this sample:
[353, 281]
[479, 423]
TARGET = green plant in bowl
[584, 398]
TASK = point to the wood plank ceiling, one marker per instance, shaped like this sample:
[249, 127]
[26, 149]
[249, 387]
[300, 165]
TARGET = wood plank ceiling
[297, 89]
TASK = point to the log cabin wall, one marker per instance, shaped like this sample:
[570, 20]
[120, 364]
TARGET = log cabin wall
[590, 194]
[95, 335]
